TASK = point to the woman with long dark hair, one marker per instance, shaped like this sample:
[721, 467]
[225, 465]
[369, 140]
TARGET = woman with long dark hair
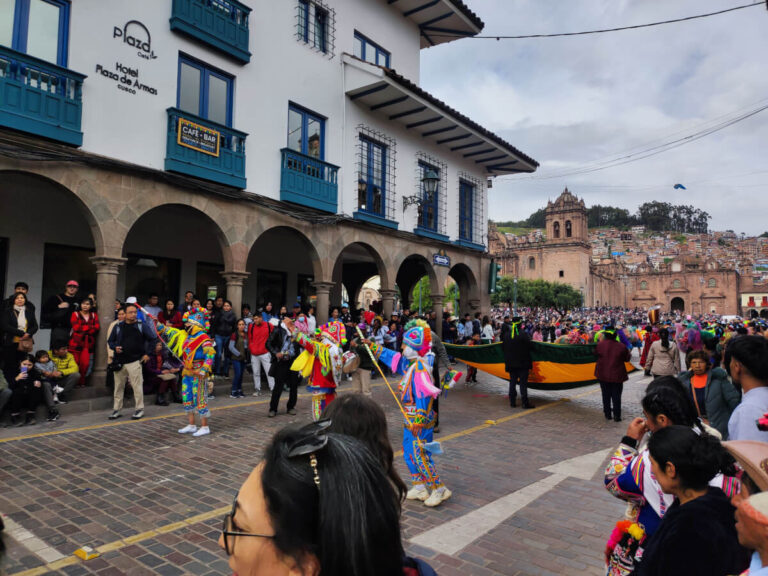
[698, 533]
[663, 357]
[628, 475]
[319, 504]
[170, 315]
[360, 417]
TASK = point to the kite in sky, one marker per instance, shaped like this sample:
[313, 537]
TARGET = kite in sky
[680, 187]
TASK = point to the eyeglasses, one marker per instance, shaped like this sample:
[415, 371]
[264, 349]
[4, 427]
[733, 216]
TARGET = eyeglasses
[229, 531]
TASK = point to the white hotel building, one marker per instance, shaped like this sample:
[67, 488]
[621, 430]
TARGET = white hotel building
[265, 150]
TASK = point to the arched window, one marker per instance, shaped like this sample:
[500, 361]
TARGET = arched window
[532, 263]
[556, 229]
[712, 283]
[568, 229]
[643, 285]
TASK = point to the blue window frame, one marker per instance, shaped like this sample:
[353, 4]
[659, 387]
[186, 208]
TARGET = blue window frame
[204, 91]
[372, 178]
[428, 210]
[39, 28]
[313, 25]
[369, 51]
[306, 132]
[466, 209]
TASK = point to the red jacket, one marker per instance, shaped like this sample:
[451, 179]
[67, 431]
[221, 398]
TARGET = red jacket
[175, 319]
[611, 356]
[84, 331]
[257, 337]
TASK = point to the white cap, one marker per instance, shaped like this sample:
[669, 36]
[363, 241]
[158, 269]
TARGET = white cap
[131, 300]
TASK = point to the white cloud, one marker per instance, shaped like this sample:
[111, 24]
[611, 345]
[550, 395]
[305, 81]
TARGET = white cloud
[572, 101]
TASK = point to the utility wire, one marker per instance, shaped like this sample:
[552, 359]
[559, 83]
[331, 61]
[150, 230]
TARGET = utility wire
[636, 26]
[648, 152]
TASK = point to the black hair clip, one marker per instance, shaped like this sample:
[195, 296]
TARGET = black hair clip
[311, 438]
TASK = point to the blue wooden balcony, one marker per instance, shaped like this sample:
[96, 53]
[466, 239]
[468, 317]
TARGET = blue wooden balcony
[204, 149]
[308, 181]
[40, 98]
[222, 24]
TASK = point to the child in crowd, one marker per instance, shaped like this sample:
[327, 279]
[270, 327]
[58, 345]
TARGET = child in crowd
[51, 390]
[472, 372]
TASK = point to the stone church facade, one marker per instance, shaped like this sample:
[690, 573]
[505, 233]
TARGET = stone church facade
[689, 284]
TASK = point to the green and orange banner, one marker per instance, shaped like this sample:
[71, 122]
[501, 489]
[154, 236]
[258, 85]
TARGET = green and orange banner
[555, 366]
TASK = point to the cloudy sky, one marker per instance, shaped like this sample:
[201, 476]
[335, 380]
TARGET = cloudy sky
[573, 102]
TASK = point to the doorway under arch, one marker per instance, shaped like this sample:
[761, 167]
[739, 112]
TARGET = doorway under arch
[677, 304]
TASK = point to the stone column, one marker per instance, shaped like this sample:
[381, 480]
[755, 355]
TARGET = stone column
[235, 281]
[107, 270]
[322, 291]
[437, 308]
[387, 302]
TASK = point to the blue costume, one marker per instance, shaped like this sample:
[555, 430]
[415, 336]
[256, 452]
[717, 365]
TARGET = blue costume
[417, 393]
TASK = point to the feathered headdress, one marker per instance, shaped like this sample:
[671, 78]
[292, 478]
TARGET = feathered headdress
[200, 317]
[334, 331]
[418, 336]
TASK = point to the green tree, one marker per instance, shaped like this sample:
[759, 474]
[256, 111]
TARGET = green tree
[422, 290]
[451, 294]
[537, 293]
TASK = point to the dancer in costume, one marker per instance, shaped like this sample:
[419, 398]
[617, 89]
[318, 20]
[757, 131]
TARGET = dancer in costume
[417, 394]
[321, 362]
[196, 350]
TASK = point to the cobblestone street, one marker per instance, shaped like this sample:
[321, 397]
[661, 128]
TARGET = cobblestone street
[151, 500]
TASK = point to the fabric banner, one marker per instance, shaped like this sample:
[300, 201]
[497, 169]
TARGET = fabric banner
[555, 366]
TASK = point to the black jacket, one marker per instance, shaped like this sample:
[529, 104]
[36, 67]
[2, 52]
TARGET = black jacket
[275, 342]
[116, 339]
[517, 350]
[9, 326]
[225, 323]
[698, 538]
[55, 317]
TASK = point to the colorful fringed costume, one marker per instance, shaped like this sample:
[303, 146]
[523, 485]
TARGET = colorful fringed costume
[628, 477]
[321, 362]
[417, 394]
[196, 350]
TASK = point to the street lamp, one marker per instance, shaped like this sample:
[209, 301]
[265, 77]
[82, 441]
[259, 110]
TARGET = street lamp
[514, 297]
[430, 181]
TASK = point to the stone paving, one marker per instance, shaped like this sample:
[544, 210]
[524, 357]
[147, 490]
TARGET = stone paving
[155, 498]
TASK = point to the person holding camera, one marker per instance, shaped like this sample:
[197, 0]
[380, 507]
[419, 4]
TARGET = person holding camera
[132, 342]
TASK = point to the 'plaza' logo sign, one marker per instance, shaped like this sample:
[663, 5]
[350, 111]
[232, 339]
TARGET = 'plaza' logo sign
[136, 35]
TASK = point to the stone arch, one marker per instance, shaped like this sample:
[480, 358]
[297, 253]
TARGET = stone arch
[556, 229]
[677, 304]
[371, 252]
[77, 195]
[764, 313]
[531, 263]
[284, 267]
[568, 229]
[306, 241]
[176, 239]
[411, 270]
[469, 288]
[354, 264]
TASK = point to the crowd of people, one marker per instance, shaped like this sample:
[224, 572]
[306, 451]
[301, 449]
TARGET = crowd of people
[693, 469]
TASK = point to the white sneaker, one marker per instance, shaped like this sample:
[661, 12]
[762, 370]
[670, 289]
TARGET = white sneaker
[202, 431]
[187, 429]
[438, 496]
[419, 492]
[58, 389]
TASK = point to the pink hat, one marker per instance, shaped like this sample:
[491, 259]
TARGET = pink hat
[73, 283]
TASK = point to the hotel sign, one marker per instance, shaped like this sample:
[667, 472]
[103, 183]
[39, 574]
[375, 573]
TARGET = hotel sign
[197, 137]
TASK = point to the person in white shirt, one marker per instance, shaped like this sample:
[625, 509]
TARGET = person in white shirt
[746, 357]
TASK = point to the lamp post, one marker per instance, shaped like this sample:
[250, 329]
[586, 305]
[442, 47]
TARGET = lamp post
[430, 182]
[514, 297]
